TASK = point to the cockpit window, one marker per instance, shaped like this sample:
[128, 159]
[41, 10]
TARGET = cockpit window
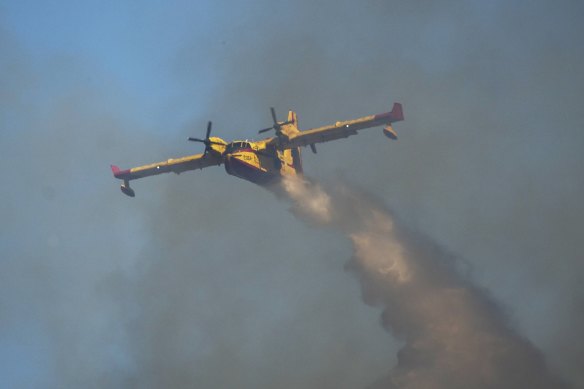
[238, 145]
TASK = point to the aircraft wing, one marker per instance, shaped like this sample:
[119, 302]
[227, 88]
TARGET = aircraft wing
[346, 128]
[176, 165]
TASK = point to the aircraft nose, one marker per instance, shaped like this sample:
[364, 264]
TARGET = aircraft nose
[230, 159]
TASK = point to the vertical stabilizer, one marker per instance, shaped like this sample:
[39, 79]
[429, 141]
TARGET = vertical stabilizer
[290, 128]
[293, 118]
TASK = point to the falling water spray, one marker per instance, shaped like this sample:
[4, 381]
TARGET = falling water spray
[454, 335]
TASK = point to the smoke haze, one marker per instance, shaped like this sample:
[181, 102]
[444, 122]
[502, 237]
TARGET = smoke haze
[208, 281]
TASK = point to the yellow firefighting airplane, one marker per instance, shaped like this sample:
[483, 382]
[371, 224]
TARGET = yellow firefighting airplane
[265, 161]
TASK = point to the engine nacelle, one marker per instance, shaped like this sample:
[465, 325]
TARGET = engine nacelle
[390, 132]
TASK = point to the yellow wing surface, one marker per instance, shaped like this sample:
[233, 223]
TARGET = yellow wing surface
[175, 165]
[344, 129]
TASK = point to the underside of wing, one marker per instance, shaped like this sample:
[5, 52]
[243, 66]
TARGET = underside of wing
[344, 129]
[175, 165]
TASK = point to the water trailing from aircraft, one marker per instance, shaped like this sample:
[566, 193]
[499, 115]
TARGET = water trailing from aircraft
[454, 335]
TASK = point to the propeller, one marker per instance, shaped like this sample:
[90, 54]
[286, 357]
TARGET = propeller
[207, 142]
[277, 126]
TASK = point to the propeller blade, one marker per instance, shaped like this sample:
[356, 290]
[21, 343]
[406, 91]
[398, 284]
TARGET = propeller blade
[207, 142]
[265, 130]
[277, 126]
[208, 130]
[273, 111]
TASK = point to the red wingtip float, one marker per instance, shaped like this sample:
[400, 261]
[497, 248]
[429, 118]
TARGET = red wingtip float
[265, 161]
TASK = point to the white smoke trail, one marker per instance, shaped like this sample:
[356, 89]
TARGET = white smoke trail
[455, 336]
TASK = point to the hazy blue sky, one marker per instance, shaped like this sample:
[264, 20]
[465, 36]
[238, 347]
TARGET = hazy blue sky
[208, 280]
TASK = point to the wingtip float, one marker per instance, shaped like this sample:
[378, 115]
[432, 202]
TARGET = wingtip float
[265, 161]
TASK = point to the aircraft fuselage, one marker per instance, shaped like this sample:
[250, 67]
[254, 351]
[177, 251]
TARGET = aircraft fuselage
[253, 162]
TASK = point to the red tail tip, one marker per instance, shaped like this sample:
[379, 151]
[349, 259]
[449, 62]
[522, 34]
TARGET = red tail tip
[116, 170]
[397, 112]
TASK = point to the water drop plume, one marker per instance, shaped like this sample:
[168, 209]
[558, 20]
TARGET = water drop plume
[454, 335]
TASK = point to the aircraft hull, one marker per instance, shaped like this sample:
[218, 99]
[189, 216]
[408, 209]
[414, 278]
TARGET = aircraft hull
[237, 167]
